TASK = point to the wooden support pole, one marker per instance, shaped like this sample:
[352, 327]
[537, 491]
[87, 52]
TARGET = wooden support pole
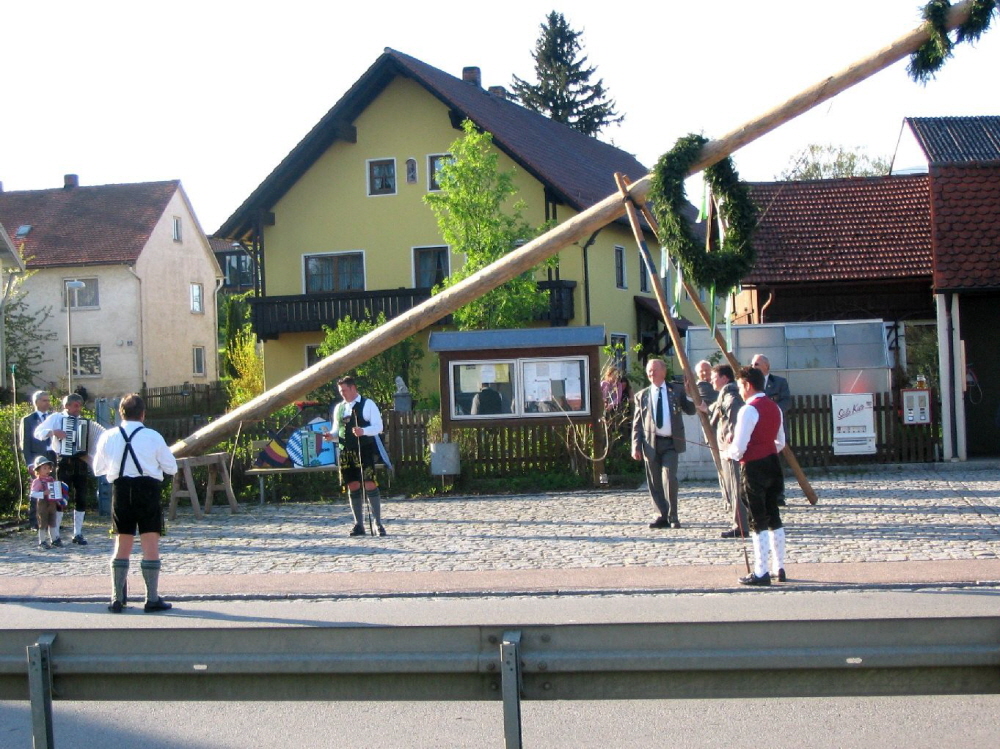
[540, 249]
[661, 299]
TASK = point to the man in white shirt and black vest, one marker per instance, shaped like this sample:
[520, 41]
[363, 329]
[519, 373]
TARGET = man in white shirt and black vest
[357, 423]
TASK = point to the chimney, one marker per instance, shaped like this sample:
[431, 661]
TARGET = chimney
[473, 75]
[499, 91]
[70, 181]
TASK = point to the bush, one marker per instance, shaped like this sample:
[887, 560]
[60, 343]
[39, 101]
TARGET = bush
[17, 480]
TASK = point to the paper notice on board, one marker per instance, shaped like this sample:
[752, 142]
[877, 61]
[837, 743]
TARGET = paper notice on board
[469, 378]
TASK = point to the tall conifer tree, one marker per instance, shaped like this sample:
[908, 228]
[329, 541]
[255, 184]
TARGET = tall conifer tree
[564, 92]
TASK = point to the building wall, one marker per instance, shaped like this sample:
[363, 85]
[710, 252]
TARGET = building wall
[982, 358]
[170, 330]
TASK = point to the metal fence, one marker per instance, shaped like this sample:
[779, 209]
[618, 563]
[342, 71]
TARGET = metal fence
[657, 660]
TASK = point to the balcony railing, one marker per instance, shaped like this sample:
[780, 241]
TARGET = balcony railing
[308, 313]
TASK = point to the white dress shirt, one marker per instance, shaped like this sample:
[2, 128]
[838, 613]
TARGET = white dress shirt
[150, 449]
[665, 430]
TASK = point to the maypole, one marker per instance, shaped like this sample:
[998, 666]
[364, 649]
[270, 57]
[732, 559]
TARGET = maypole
[540, 249]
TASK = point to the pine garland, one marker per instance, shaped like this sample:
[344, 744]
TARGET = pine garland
[725, 267]
[930, 58]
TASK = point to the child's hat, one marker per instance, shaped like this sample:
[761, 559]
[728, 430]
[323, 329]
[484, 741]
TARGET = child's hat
[39, 461]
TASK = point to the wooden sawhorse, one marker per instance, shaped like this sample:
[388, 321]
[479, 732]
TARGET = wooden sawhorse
[218, 464]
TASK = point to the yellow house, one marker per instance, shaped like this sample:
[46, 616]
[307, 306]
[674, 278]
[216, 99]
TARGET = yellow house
[339, 228]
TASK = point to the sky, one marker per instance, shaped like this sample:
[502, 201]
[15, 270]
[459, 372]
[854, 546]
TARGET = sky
[215, 93]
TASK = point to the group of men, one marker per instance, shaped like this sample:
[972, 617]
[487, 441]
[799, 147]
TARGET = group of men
[747, 410]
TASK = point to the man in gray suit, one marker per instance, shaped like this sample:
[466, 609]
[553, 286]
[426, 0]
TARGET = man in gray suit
[31, 448]
[658, 438]
[775, 388]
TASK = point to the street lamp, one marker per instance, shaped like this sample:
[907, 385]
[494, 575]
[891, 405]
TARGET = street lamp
[75, 286]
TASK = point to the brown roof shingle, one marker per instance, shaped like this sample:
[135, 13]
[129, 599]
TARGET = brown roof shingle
[859, 228]
[966, 226]
[89, 225]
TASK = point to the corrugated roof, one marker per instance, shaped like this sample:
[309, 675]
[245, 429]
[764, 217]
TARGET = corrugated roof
[476, 340]
[859, 228]
[956, 140]
[966, 227]
[578, 169]
[89, 225]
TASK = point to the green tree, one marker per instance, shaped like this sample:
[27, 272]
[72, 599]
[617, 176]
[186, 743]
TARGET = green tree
[25, 336]
[829, 162]
[246, 367]
[234, 316]
[376, 377]
[470, 214]
[564, 92]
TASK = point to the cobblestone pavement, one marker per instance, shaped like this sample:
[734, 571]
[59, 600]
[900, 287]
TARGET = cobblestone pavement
[895, 514]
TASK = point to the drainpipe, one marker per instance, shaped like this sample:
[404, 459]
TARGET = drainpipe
[142, 347]
[586, 273]
[215, 337]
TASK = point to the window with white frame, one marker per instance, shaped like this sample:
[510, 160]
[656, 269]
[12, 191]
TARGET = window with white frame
[335, 271]
[198, 361]
[434, 163]
[86, 361]
[619, 351]
[620, 277]
[381, 176]
[430, 266]
[177, 229]
[88, 297]
[197, 298]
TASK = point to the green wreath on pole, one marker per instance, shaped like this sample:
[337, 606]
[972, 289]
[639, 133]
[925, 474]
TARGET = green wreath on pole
[931, 56]
[722, 268]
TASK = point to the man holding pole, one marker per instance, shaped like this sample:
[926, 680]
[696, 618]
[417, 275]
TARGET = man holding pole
[357, 425]
[658, 438]
[756, 442]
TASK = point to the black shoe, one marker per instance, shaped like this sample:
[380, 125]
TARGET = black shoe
[380, 530]
[781, 575]
[116, 607]
[660, 522]
[781, 502]
[57, 543]
[80, 540]
[674, 524]
[732, 533]
[358, 530]
[752, 579]
[158, 605]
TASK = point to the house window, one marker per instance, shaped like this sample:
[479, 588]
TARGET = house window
[340, 271]
[411, 171]
[619, 351]
[197, 298]
[382, 177]
[434, 163]
[177, 228]
[643, 275]
[86, 298]
[238, 267]
[198, 361]
[313, 355]
[620, 267]
[430, 266]
[86, 361]
[22, 231]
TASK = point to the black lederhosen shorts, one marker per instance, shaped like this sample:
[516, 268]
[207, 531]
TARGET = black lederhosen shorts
[350, 471]
[135, 504]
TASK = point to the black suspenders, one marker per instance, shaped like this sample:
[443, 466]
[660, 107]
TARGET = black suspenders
[129, 451]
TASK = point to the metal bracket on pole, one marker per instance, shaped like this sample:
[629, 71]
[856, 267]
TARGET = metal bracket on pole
[40, 691]
[510, 682]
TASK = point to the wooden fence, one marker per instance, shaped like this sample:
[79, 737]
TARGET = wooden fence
[187, 399]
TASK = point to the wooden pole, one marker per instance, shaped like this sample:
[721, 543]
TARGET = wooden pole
[661, 298]
[540, 249]
[786, 451]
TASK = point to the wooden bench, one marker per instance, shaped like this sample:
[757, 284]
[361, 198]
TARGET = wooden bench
[183, 484]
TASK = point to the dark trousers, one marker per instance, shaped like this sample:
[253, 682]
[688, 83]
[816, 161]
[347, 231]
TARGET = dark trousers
[763, 483]
[661, 476]
[73, 472]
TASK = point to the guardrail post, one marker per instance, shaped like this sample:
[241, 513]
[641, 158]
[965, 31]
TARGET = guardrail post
[510, 683]
[40, 691]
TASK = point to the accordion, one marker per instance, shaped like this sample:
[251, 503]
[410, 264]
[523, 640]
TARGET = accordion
[77, 439]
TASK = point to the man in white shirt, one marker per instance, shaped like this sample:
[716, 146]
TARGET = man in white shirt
[135, 460]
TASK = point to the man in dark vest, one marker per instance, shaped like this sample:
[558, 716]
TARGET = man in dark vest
[758, 438]
[356, 426]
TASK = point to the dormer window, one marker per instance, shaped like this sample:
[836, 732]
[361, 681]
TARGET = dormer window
[22, 231]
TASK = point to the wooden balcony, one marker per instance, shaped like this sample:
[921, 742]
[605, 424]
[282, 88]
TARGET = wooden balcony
[308, 313]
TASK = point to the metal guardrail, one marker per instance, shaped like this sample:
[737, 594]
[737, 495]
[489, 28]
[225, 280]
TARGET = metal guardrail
[700, 660]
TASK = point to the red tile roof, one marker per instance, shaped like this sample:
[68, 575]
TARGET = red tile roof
[859, 228]
[90, 225]
[966, 226]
